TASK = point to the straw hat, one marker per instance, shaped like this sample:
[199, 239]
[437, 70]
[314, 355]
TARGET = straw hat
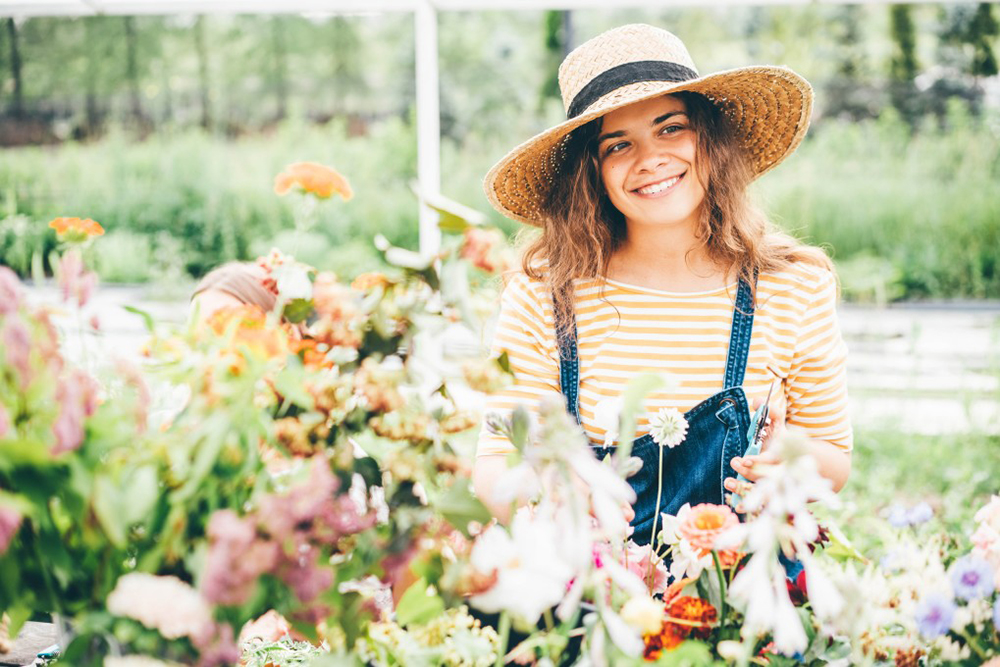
[769, 107]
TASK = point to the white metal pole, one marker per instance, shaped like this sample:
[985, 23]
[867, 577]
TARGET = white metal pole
[428, 121]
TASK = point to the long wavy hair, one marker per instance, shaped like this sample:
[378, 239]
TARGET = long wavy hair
[583, 229]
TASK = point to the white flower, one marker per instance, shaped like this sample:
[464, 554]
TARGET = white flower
[607, 416]
[668, 427]
[644, 613]
[531, 574]
[950, 650]
[165, 604]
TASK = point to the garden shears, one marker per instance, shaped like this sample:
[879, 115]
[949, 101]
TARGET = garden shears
[755, 438]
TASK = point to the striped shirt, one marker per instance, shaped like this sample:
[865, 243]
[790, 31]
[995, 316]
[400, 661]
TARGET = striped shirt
[629, 330]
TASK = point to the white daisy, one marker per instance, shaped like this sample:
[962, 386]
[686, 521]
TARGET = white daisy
[668, 427]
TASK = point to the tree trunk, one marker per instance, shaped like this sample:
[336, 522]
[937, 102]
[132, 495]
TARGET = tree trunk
[17, 110]
[201, 49]
[132, 70]
[91, 111]
[280, 66]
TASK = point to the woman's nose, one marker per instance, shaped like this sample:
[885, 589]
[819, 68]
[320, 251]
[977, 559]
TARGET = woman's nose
[652, 158]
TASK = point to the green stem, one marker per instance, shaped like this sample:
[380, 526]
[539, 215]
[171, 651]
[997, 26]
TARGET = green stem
[723, 607]
[656, 515]
[549, 621]
[976, 648]
[504, 633]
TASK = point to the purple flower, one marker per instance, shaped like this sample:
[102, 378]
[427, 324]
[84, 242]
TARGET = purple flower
[996, 615]
[934, 615]
[898, 516]
[971, 578]
[920, 513]
[10, 521]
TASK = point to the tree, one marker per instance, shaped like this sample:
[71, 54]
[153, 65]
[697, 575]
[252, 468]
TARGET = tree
[982, 31]
[201, 49]
[280, 73]
[132, 69]
[17, 108]
[558, 40]
[903, 66]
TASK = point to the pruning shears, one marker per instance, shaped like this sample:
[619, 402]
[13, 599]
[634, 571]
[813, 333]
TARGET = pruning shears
[755, 438]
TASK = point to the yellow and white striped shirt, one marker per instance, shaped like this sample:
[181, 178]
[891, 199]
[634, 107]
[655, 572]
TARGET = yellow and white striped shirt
[631, 330]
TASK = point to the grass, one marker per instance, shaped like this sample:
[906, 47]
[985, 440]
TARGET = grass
[904, 215]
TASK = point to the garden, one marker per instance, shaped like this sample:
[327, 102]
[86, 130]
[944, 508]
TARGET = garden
[293, 487]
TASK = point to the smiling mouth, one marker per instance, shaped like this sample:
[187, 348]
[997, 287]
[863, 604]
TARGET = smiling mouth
[660, 186]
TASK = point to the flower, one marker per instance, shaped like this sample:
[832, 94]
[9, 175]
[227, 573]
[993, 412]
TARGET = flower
[74, 280]
[367, 282]
[10, 521]
[4, 422]
[638, 561]
[607, 416]
[268, 628]
[644, 613]
[934, 615]
[900, 516]
[686, 616]
[920, 513]
[165, 604]
[76, 230]
[668, 427]
[702, 524]
[531, 575]
[77, 398]
[17, 341]
[312, 178]
[486, 249]
[10, 291]
[972, 578]
[236, 558]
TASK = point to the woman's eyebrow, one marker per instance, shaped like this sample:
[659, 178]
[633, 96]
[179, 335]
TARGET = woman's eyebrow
[656, 121]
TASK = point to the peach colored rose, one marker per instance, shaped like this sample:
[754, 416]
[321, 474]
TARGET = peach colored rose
[702, 524]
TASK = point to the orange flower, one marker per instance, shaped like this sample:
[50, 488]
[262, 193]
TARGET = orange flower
[686, 616]
[252, 331]
[313, 178]
[369, 281]
[76, 229]
[702, 524]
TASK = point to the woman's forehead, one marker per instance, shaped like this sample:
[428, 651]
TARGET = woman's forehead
[642, 113]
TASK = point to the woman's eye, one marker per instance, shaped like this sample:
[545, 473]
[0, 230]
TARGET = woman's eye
[671, 129]
[615, 148]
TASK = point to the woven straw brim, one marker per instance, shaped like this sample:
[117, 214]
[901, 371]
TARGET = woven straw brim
[770, 108]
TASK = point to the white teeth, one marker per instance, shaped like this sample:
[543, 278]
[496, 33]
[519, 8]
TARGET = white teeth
[658, 187]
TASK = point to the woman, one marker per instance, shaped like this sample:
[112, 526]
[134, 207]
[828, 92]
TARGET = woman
[651, 258]
[231, 285]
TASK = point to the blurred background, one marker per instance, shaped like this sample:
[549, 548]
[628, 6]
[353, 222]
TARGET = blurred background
[169, 130]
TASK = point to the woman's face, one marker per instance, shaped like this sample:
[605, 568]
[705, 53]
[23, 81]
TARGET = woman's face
[647, 155]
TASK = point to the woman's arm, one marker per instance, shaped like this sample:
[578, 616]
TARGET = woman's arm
[485, 472]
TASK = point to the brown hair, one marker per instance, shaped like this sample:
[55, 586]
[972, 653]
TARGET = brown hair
[243, 280]
[583, 229]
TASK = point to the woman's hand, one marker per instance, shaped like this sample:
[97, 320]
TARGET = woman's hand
[748, 466]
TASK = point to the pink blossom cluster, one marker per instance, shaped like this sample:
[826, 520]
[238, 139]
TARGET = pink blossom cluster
[77, 284]
[287, 536]
[486, 249]
[10, 521]
[986, 538]
[77, 398]
[174, 609]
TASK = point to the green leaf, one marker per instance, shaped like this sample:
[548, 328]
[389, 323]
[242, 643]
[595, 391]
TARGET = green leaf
[290, 383]
[452, 216]
[504, 362]
[520, 423]
[419, 604]
[108, 508]
[840, 547]
[147, 319]
[297, 310]
[459, 506]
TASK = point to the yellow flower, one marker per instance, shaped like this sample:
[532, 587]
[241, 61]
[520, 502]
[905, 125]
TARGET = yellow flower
[313, 178]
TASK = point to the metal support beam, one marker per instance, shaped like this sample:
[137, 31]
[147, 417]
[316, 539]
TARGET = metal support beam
[428, 121]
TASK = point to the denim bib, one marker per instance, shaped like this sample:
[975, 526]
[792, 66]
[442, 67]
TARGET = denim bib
[694, 471]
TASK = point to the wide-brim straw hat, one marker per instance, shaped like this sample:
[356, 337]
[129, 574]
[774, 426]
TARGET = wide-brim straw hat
[768, 106]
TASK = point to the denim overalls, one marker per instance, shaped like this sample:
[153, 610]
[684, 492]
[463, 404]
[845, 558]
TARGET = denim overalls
[693, 472]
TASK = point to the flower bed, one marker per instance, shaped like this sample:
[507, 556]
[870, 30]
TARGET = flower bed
[316, 477]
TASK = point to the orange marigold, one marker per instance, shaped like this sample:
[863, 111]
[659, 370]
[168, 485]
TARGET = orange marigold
[313, 178]
[80, 228]
[252, 331]
[686, 617]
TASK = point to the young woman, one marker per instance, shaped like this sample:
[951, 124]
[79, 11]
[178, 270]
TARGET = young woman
[651, 258]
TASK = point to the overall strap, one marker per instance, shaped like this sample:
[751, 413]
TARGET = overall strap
[739, 337]
[569, 367]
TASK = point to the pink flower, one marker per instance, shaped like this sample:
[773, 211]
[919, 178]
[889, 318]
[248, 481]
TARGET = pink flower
[486, 249]
[637, 559]
[702, 524]
[74, 280]
[166, 604]
[77, 398]
[10, 291]
[298, 570]
[280, 514]
[268, 629]
[17, 340]
[217, 646]
[132, 376]
[10, 521]
[4, 422]
[236, 559]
